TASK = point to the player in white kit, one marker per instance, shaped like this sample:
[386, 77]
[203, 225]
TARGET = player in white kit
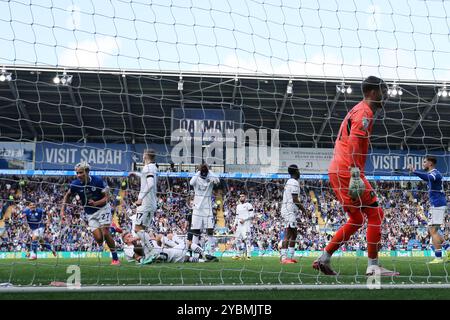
[243, 223]
[175, 249]
[147, 199]
[161, 248]
[202, 213]
[289, 213]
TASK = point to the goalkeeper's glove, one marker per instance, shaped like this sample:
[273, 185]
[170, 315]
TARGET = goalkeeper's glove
[356, 186]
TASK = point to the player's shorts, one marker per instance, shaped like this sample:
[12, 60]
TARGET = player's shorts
[202, 219]
[340, 184]
[102, 217]
[144, 215]
[242, 231]
[289, 219]
[175, 254]
[437, 215]
[39, 232]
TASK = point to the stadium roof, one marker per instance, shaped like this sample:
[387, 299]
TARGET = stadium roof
[123, 106]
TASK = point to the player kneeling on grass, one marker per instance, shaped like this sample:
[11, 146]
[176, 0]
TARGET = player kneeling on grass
[94, 196]
[35, 220]
[438, 203]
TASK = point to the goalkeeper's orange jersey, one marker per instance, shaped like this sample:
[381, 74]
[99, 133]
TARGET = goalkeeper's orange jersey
[352, 142]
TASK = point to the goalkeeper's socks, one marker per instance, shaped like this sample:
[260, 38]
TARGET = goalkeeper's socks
[325, 257]
[438, 253]
[34, 246]
[373, 262]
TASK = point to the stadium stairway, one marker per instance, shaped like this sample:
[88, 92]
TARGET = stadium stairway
[317, 212]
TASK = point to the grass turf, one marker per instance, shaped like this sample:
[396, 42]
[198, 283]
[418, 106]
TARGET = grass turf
[260, 270]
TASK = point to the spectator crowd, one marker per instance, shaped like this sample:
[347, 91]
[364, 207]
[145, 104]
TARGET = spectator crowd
[405, 205]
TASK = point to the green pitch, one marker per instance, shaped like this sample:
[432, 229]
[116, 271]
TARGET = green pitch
[260, 270]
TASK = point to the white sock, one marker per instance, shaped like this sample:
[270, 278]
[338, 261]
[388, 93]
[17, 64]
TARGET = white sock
[373, 262]
[291, 252]
[325, 257]
[212, 243]
[283, 253]
[249, 248]
[197, 249]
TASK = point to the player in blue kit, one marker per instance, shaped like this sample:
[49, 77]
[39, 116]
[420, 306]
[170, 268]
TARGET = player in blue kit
[94, 196]
[438, 204]
[35, 219]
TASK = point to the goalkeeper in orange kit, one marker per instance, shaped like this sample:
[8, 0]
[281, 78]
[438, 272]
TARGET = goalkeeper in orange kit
[346, 173]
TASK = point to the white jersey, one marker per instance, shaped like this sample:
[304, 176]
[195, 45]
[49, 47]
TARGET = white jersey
[203, 190]
[175, 249]
[244, 211]
[128, 250]
[148, 192]
[288, 206]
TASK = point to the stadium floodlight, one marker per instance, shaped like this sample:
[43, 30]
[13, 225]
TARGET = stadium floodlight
[394, 90]
[63, 79]
[343, 88]
[289, 87]
[442, 92]
[5, 76]
[180, 84]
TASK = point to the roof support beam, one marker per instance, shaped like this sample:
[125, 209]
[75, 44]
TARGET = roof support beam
[419, 120]
[233, 96]
[327, 120]
[130, 118]
[77, 108]
[280, 113]
[22, 107]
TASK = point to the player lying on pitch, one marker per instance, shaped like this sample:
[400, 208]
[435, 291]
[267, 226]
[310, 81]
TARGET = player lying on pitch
[147, 249]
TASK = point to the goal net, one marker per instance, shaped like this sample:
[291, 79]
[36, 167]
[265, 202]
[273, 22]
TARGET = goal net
[248, 87]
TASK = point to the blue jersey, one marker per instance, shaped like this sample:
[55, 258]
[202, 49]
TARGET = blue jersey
[35, 218]
[435, 187]
[93, 190]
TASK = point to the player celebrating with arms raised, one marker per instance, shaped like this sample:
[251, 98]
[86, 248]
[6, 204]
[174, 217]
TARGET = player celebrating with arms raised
[94, 196]
[346, 174]
[438, 203]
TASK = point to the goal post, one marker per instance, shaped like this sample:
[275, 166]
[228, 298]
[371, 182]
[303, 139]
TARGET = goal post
[248, 87]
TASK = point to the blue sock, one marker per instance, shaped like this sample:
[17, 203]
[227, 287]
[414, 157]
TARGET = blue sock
[34, 246]
[114, 255]
[47, 246]
[438, 253]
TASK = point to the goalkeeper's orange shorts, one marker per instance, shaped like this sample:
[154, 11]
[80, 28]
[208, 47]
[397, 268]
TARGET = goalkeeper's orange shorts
[340, 184]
